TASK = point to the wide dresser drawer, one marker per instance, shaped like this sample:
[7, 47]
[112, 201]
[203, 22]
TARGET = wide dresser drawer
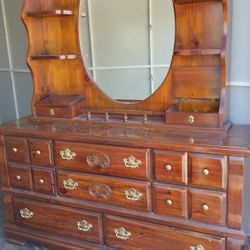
[108, 190]
[122, 233]
[59, 220]
[101, 159]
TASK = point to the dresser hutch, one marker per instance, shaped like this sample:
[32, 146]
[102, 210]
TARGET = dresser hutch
[89, 172]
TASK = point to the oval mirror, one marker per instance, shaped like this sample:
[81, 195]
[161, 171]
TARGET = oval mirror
[127, 45]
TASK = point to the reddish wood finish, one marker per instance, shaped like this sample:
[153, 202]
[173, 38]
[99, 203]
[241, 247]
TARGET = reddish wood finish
[207, 206]
[170, 167]
[110, 162]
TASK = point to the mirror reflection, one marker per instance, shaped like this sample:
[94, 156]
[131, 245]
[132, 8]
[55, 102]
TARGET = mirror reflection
[127, 45]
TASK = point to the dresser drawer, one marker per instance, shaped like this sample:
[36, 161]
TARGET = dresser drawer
[20, 176]
[170, 200]
[208, 171]
[116, 161]
[59, 220]
[118, 192]
[122, 233]
[208, 206]
[41, 152]
[170, 167]
[17, 149]
[43, 180]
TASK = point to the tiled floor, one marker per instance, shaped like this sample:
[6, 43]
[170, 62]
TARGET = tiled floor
[3, 244]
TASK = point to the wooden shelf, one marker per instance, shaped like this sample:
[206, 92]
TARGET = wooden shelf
[55, 57]
[197, 52]
[50, 13]
[194, 1]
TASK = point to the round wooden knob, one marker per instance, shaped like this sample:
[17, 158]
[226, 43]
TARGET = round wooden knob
[168, 167]
[169, 202]
[38, 152]
[14, 150]
[18, 177]
[204, 207]
[41, 181]
[205, 172]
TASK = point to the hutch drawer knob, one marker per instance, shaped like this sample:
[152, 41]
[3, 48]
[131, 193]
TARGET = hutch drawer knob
[67, 154]
[18, 177]
[132, 162]
[84, 226]
[41, 181]
[38, 152]
[133, 195]
[51, 112]
[70, 184]
[122, 233]
[191, 119]
[168, 167]
[198, 247]
[169, 202]
[205, 172]
[204, 207]
[98, 160]
[26, 213]
[14, 150]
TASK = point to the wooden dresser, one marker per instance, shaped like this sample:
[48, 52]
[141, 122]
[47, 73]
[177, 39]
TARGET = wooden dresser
[89, 172]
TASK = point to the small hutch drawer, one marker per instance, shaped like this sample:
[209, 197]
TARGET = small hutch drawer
[122, 233]
[208, 206]
[17, 149]
[20, 176]
[43, 181]
[41, 152]
[170, 200]
[59, 220]
[114, 191]
[170, 166]
[209, 171]
[116, 161]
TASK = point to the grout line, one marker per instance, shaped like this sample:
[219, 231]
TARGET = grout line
[7, 39]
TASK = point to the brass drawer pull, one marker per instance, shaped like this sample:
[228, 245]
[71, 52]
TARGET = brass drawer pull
[14, 150]
[67, 154]
[133, 194]
[70, 184]
[38, 152]
[168, 167]
[191, 119]
[205, 172]
[18, 177]
[41, 181]
[51, 112]
[84, 226]
[100, 190]
[26, 213]
[205, 207]
[198, 247]
[122, 234]
[169, 202]
[132, 162]
[98, 160]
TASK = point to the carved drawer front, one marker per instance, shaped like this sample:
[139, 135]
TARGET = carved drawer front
[20, 176]
[208, 206]
[41, 152]
[122, 233]
[59, 220]
[17, 149]
[114, 191]
[170, 200]
[208, 171]
[43, 181]
[116, 161]
[171, 167]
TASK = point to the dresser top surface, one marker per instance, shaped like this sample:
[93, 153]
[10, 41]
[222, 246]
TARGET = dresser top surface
[236, 141]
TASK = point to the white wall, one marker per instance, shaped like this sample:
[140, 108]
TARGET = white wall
[16, 85]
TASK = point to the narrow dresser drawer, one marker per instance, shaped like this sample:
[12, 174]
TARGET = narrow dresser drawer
[122, 233]
[170, 167]
[43, 180]
[59, 220]
[114, 191]
[17, 149]
[20, 176]
[208, 206]
[41, 152]
[209, 171]
[116, 161]
[170, 200]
